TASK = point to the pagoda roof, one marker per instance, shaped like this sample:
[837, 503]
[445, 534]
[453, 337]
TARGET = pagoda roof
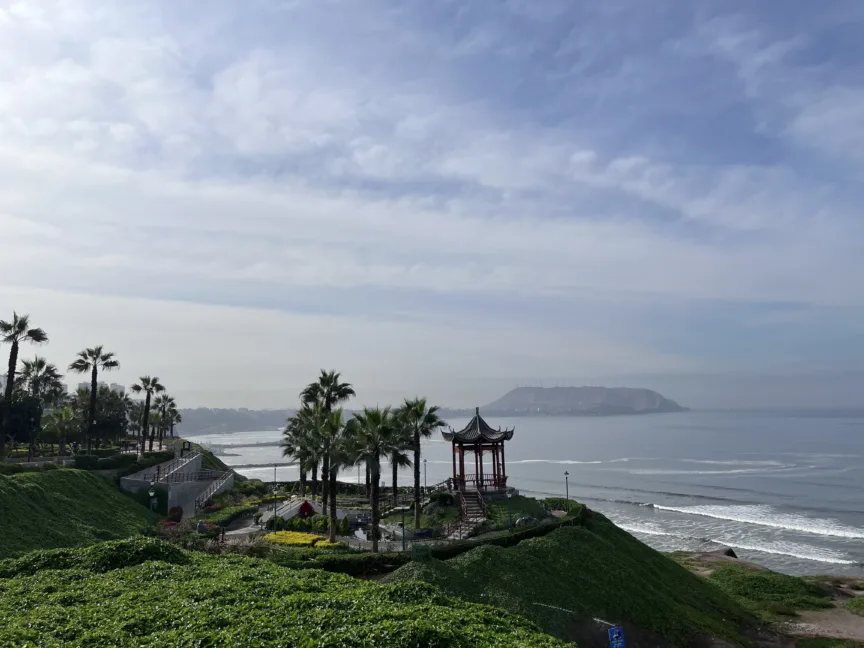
[478, 431]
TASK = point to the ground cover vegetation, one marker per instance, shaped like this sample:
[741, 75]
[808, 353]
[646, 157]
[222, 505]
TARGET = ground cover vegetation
[769, 594]
[583, 570]
[145, 592]
[63, 508]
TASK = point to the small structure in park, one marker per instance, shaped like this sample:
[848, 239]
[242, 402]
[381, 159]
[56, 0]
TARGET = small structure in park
[478, 437]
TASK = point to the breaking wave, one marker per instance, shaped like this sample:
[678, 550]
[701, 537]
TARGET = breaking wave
[802, 552]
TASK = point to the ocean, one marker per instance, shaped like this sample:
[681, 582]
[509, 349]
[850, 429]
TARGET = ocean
[782, 489]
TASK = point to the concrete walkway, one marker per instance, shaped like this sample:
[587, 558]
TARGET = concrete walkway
[290, 508]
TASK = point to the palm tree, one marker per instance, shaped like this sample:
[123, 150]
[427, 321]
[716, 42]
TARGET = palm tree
[327, 392]
[423, 421]
[374, 435]
[93, 360]
[167, 409]
[294, 446]
[403, 439]
[343, 453]
[148, 386]
[41, 379]
[14, 333]
[61, 424]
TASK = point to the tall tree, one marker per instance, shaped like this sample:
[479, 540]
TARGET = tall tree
[167, 409]
[295, 446]
[327, 392]
[423, 421]
[93, 360]
[147, 386]
[403, 440]
[61, 425]
[373, 431]
[343, 453]
[41, 379]
[14, 333]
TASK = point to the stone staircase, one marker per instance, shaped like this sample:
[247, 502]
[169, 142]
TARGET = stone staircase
[471, 515]
[473, 506]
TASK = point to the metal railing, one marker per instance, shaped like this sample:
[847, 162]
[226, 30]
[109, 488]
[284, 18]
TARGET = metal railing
[164, 471]
[201, 500]
[482, 481]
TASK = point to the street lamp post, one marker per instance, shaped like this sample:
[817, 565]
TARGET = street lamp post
[567, 489]
[152, 494]
[509, 510]
[275, 490]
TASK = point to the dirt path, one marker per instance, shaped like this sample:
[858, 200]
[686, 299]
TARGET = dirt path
[838, 623]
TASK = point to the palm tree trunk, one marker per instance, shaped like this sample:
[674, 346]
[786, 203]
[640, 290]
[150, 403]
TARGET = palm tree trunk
[368, 490]
[376, 480]
[314, 481]
[144, 422]
[325, 479]
[7, 397]
[161, 434]
[332, 491]
[416, 479]
[91, 415]
[395, 477]
[303, 484]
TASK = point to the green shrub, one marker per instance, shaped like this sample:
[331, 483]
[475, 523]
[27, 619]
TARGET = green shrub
[49, 466]
[344, 526]
[320, 522]
[10, 468]
[105, 452]
[225, 516]
[443, 498]
[86, 462]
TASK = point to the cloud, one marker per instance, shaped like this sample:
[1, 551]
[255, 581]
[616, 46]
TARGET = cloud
[610, 172]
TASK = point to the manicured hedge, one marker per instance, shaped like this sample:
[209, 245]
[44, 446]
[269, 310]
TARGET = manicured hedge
[225, 516]
[86, 462]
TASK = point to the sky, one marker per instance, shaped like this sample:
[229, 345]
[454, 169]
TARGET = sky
[440, 198]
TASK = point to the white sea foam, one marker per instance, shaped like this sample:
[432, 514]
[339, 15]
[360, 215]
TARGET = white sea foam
[793, 550]
[763, 515]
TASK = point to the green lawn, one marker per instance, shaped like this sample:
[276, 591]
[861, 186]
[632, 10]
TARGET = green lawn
[768, 594]
[855, 605]
[520, 506]
[567, 578]
[63, 508]
[435, 520]
[147, 593]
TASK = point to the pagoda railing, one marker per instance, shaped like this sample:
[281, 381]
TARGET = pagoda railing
[482, 481]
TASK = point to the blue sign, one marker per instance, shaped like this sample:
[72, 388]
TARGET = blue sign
[616, 637]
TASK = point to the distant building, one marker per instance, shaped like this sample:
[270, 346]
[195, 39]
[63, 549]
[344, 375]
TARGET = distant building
[99, 385]
[120, 389]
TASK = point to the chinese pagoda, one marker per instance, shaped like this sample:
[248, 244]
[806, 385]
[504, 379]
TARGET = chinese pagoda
[479, 437]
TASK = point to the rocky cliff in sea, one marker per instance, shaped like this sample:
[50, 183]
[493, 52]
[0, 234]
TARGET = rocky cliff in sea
[580, 401]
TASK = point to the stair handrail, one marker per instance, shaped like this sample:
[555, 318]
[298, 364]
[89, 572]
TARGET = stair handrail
[212, 488]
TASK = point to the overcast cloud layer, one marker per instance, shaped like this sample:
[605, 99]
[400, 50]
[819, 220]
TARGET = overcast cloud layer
[441, 197]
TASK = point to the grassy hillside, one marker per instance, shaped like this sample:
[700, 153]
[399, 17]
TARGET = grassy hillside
[144, 592]
[566, 579]
[63, 508]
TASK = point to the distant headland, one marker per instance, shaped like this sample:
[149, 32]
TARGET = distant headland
[576, 401]
[522, 401]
